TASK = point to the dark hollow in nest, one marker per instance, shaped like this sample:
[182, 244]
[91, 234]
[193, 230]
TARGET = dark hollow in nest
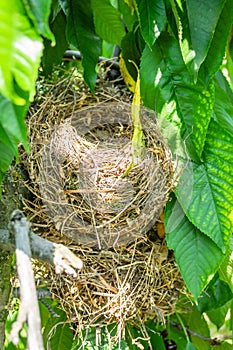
[82, 176]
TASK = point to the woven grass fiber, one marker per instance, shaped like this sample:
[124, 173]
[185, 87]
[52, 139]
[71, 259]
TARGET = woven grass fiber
[80, 150]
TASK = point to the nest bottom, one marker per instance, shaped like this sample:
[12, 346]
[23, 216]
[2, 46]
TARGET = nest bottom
[117, 286]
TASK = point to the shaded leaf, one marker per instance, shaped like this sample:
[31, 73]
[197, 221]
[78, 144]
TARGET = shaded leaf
[12, 122]
[130, 53]
[129, 81]
[218, 315]
[190, 346]
[197, 256]
[217, 294]
[39, 12]
[7, 156]
[205, 191]
[81, 35]
[152, 19]
[108, 23]
[156, 339]
[218, 45]
[128, 11]
[57, 334]
[203, 18]
[53, 54]
[135, 338]
[196, 322]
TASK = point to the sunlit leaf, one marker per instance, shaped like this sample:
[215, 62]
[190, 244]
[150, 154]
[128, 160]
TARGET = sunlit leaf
[223, 106]
[165, 78]
[197, 256]
[179, 11]
[205, 190]
[152, 19]
[20, 51]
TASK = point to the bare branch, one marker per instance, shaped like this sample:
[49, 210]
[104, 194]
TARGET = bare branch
[29, 308]
[42, 249]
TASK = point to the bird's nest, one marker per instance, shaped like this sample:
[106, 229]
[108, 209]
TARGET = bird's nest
[80, 152]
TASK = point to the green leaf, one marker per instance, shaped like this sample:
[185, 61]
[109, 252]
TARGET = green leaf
[130, 52]
[217, 294]
[81, 35]
[53, 54]
[20, 51]
[108, 23]
[223, 107]
[205, 191]
[218, 315]
[7, 156]
[203, 18]
[155, 338]
[156, 82]
[190, 346]
[133, 333]
[128, 12]
[196, 322]
[170, 125]
[218, 45]
[152, 19]
[12, 122]
[57, 334]
[165, 77]
[38, 12]
[226, 268]
[7, 140]
[197, 256]
[181, 18]
[196, 114]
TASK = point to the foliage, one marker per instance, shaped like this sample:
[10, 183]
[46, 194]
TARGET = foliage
[178, 47]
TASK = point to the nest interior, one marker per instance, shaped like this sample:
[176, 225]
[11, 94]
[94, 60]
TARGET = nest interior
[82, 176]
[80, 150]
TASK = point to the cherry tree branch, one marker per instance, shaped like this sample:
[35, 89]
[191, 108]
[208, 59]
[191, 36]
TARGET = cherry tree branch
[55, 254]
[29, 308]
[27, 244]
